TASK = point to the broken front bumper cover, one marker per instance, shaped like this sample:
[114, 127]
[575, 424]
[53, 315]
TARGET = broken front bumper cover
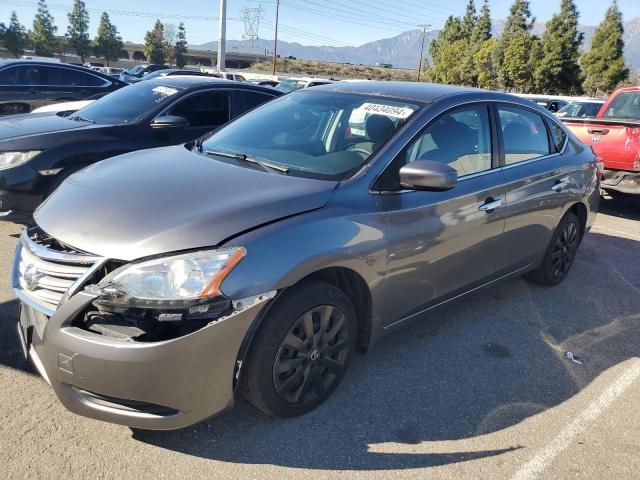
[621, 181]
[157, 385]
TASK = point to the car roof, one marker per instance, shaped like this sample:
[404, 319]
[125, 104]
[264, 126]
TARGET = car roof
[422, 92]
[194, 82]
[79, 68]
[309, 79]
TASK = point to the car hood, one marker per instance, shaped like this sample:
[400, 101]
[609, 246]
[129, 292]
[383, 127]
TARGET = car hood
[169, 199]
[17, 126]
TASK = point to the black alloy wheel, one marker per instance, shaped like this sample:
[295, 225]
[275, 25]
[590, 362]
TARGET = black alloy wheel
[560, 253]
[564, 250]
[301, 351]
[312, 355]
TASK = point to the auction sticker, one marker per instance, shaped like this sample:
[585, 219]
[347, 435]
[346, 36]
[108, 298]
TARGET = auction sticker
[167, 91]
[388, 110]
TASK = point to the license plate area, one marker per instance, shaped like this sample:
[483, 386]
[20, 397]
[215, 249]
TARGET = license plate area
[23, 330]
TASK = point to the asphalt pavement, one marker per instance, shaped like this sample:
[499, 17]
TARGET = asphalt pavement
[481, 389]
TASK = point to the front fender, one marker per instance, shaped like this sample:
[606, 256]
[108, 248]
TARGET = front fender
[283, 253]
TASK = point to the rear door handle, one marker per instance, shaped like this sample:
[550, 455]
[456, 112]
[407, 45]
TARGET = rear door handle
[490, 205]
[560, 185]
[598, 131]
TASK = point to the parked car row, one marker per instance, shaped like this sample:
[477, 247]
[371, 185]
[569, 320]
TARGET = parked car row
[614, 134]
[210, 259]
[29, 84]
[41, 150]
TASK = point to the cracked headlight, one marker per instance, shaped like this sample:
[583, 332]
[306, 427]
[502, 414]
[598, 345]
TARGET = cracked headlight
[186, 280]
[14, 159]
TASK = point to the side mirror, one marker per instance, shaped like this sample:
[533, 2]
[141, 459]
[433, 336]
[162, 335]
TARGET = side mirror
[170, 122]
[428, 175]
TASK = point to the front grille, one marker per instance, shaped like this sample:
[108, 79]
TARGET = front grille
[45, 270]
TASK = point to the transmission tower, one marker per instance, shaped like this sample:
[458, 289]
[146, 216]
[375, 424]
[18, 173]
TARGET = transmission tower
[251, 18]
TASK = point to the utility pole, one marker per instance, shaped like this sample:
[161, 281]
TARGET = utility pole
[222, 36]
[424, 33]
[275, 40]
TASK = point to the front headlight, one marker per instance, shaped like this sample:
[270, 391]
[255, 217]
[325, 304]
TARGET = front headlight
[13, 159]
[180, 281]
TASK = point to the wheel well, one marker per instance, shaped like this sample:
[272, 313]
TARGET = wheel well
[354, 286]
[580, 211]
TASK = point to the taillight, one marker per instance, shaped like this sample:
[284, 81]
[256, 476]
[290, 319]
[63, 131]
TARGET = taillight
[599, 161]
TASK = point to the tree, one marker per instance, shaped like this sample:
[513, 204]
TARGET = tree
[485, 60]
[482, 30]
[108, 41]
[519, 22]
[514, 54]
[154, 44]
[518, 62]
[43, 35]
[78, 29]
[170, 38]
[558, 70]
[468, 23]
[15, 37]
[450, 33]
[180, 48]
[603, 65]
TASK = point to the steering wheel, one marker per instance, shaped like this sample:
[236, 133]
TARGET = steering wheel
[361, 151]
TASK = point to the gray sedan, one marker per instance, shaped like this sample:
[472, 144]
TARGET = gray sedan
[159, 286]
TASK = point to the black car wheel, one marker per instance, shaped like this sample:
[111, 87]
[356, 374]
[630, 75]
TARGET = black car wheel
[301, 352]
[560, 254]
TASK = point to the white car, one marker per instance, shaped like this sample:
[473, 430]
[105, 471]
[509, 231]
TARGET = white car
[63, 107]
[295, 83]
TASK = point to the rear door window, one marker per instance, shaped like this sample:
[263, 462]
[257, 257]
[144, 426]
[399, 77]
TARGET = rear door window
[9, 76]
[253, 99]
[624, 105]
[67, 77]
[207, 109]
[31, 75]
[524, 135]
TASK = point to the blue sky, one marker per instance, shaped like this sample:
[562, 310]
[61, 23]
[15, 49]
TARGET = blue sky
[310, 22]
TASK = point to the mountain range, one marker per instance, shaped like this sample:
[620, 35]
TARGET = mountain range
[403, 50]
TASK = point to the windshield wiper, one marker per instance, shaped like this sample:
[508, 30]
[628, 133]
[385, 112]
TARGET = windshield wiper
[78, 118]
[243, 157]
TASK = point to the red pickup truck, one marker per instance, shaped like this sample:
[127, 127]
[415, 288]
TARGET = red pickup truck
[614, 135]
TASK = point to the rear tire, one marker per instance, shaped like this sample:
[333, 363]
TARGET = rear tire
[301, 351]
[560, 253]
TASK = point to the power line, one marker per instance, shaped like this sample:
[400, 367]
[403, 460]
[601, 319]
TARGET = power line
[126, 13]
[335, 8]
[298, 33]
[342, 19]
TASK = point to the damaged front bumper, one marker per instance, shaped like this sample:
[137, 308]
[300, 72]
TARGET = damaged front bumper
[151, 385]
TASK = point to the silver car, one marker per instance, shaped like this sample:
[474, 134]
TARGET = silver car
[160, 285]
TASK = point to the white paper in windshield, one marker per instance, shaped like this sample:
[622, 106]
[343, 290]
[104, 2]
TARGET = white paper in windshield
[165, 91]
[388, 110]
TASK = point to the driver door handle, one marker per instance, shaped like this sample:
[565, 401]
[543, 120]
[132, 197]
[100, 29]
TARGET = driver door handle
[490, 205]
[560, 185]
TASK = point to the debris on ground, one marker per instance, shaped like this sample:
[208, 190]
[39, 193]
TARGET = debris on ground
[572, 357]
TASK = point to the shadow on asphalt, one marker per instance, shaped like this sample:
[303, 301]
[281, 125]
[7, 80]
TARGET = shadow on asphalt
[10, 350]
[469, 369]
[625, 206]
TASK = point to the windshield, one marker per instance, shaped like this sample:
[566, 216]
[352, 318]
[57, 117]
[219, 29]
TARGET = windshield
[580, 110]
[287, 86]
[625, 105]
[134, 70]
[128, 104]
[324, 135]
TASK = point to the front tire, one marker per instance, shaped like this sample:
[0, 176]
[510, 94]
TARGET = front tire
[301, 351]
[560, 254]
